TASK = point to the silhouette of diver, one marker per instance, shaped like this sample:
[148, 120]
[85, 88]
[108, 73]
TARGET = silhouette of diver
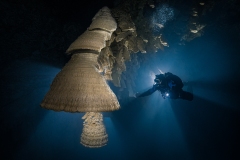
[170, 86]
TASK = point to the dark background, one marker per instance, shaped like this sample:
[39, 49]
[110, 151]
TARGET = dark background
[34, 38]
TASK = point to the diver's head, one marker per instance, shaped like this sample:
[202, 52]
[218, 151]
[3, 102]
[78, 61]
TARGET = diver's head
[159, 78]
[157, 81]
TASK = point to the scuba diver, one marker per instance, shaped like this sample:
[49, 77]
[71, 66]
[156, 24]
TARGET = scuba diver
[170, 86]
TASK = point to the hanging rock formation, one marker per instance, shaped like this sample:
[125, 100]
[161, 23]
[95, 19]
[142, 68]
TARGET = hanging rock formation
[94, 133]
[79, 87]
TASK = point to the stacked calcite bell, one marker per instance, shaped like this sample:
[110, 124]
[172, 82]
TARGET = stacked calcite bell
[79, 87]
[94, 133]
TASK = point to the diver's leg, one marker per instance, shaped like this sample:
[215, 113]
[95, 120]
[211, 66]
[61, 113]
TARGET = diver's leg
[188, 86]
[186, 95]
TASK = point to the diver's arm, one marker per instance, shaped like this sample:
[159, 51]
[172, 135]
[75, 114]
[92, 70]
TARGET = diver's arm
[148, 92]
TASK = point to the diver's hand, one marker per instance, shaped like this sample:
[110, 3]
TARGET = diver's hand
[137, 95]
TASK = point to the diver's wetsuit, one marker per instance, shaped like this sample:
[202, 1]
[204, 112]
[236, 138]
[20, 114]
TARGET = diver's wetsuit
[171, 84]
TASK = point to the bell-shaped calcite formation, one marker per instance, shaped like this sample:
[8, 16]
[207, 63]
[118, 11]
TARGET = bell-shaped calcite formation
[94, 133]
[80, 88]
[100, 31]
[90, 40]
[103, 20]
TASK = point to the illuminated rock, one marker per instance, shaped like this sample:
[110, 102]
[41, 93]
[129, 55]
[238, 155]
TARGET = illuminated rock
[80, 88]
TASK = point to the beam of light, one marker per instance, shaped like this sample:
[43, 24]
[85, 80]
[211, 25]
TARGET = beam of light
[26, 75]
[114, 138]
[213, 93]
[165, 133]
[56, 131]
[42, 61]
[169, 133]
[58, 134]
